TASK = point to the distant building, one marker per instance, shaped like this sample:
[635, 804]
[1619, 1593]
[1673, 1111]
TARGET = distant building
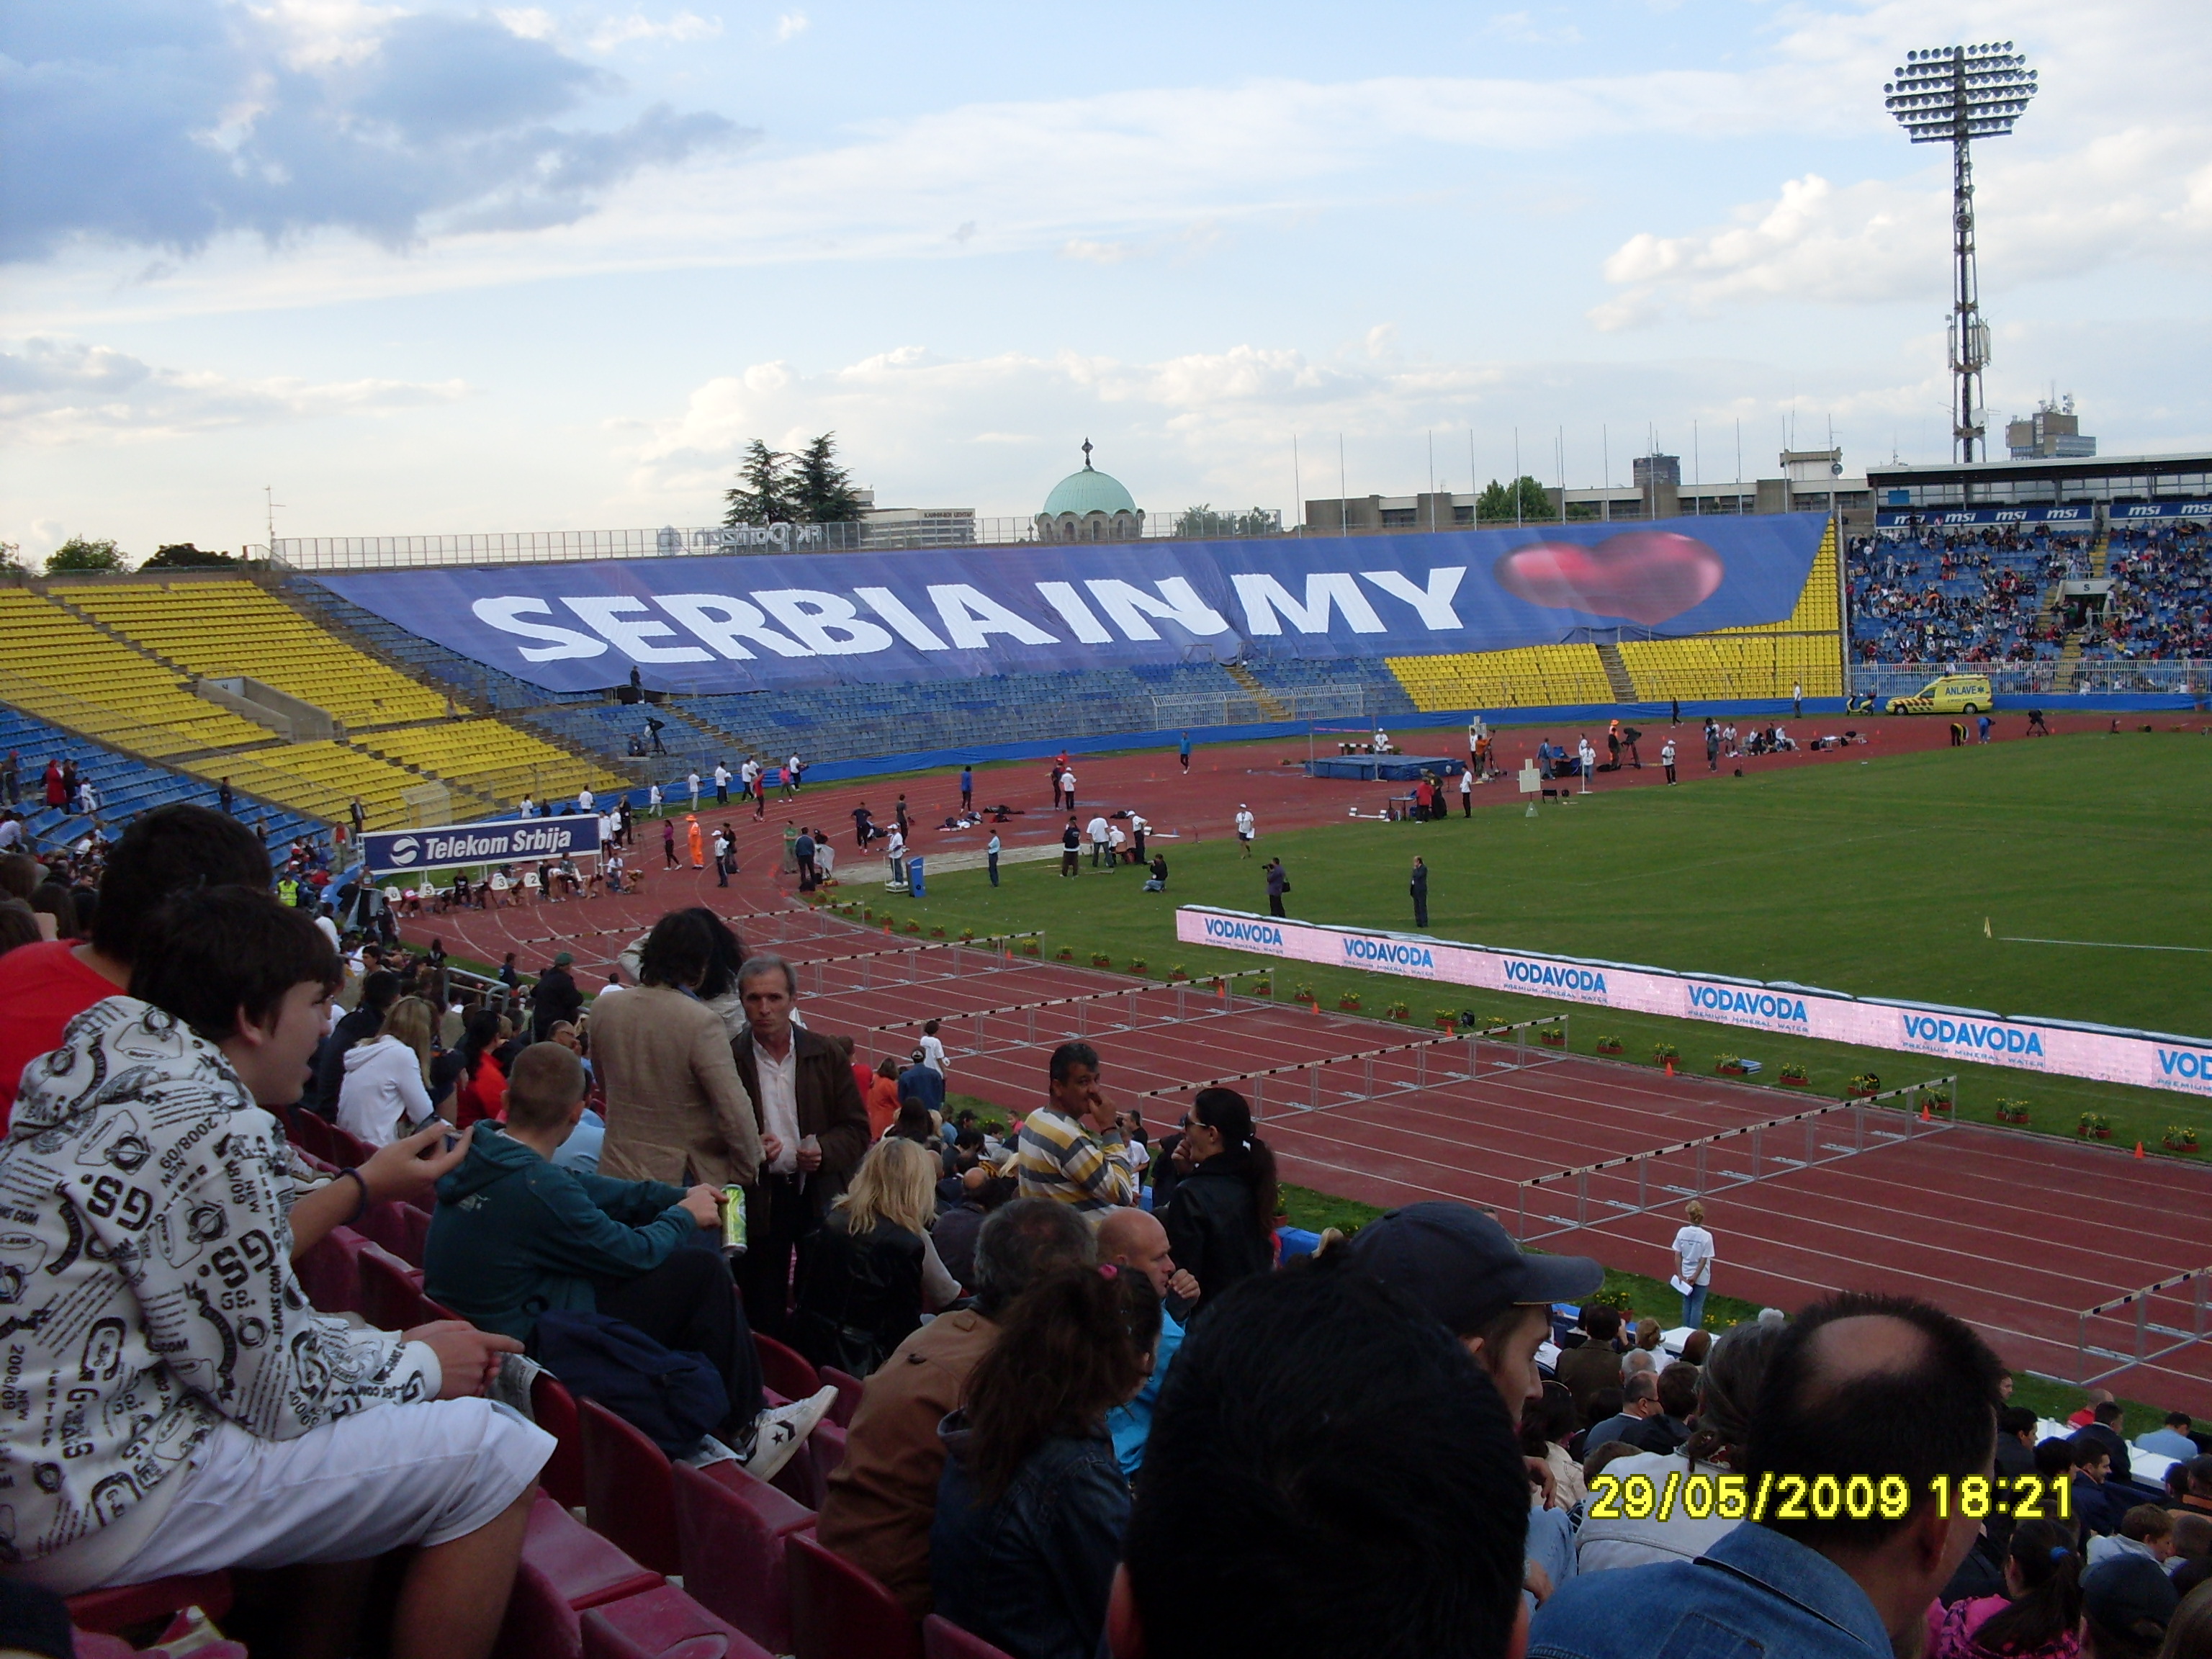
[1090, 506]
[2052, 432]
[1648, 470]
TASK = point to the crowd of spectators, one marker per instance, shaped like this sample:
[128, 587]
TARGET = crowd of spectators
[1096, 1412]
[1983, 595]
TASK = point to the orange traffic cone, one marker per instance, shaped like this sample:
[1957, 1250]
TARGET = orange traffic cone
[1670, 1068]
[2139, 1150]
[1924, 1118]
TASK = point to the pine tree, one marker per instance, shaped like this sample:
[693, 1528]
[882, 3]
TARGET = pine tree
[823, 493]
[763, 490]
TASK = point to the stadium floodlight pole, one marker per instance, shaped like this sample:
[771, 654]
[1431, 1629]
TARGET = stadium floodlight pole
[1953, 95]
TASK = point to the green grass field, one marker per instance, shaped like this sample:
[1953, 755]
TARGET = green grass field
[1875, 879]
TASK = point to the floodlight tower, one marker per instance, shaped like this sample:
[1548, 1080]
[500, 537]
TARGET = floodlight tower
[1950, 95]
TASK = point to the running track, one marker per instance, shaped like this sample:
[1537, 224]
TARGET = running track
[2013, 1232]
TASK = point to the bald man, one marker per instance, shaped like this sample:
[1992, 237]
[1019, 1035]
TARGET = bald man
[1884, 1388]
[1133, 1241]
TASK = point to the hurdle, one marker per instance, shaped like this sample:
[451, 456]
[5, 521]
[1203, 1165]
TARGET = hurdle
[2146, 1327]
[1425, 1076]
[912, 955]
[1867, 1118]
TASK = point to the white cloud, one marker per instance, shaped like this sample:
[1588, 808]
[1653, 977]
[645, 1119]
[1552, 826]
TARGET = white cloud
[56, 392]
[531, 22]
[790, 26]
[684, 26]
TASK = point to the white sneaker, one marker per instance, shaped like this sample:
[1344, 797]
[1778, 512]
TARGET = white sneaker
[780, 1432]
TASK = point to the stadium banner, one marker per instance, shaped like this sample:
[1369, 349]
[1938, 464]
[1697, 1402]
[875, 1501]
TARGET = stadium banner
[2146, 1060]
[506, 841]
[733, 623]
[2058, 517]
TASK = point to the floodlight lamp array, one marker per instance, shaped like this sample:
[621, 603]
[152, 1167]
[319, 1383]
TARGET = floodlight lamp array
[1949, 93]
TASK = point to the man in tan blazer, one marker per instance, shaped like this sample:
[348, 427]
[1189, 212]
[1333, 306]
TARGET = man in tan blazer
[677, 1110]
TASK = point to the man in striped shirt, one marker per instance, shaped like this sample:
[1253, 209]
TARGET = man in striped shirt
[1073, 1150]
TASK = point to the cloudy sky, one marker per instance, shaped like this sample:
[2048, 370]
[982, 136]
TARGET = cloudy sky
[425, 268]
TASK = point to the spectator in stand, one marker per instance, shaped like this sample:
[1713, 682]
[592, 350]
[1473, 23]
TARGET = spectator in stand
[813, 1132]
[43, 985]
[1546, 1427]
[2196, 1494]
[982, 1189]
[385, 1093]
[516, 1236]
[1221, 1226]
[921, 1084]
[1728, 1391]
[2104, 1429]
[675, 1108]
[1859, 1386]
[1596, 1364]
[1133, 1241]
[1668, 1431]
[189, 1450]
[2146, 1530]
[1400, 1530]
[480, 1083]
[2098, 1509]
[870, 1272]
[2126, 1606]
[378, 990]
[1639, 1397]
[1073, 1150]
[1031, 1506]
[2173, 1440]
[883, 1099]
[881, 1499]
[2037, 1617]
[555, 998]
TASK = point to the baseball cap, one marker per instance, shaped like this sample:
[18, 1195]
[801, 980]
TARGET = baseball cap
[563, 960]
[1464, 1267]
[2128, 1593]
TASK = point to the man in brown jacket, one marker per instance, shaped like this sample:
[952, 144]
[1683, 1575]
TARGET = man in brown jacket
[883, 1497]
[813, 1132]
[676, 1109]
[1582, 1371]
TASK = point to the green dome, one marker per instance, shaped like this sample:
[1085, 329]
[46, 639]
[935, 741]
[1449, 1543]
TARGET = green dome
[1088, 491]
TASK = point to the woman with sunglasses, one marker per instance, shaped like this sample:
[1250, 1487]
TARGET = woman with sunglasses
[1221, 1224]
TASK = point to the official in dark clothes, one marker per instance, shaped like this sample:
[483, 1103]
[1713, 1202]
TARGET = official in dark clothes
[1278, 883]
[1419, 889]
[813, 1129]
[1221, 1222]
[554, 999]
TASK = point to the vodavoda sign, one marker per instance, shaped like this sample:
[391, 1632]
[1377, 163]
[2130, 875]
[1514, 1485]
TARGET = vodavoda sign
[2144, 1059]
[508, 841]
[741, 623]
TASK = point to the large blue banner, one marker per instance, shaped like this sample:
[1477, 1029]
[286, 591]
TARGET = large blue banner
[721, 623]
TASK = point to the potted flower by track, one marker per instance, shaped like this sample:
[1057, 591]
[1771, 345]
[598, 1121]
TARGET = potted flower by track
[2093, 1125]
[1729, 1065]
[2012, 1111]
[1348, 1003]
[1447, 1018]
[1794, 1075]
[2180, 1137]
[1552, 1036]
[1100, 959]
[1401, 1010]
[1137, 965]
[1865, 1083]
[1178, 973]
[1609, 1045]
[1304, 994]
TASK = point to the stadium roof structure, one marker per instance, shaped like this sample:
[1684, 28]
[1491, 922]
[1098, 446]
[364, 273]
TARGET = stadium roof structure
[2183, 476]
[1089, 491]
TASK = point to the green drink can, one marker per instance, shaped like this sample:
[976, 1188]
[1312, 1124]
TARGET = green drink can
[733, 1221]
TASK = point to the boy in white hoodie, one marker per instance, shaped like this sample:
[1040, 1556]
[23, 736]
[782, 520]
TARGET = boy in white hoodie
[177, 1405]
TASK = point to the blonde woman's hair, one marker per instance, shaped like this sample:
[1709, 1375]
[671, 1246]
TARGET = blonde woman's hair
[896, 1184]
[409, 1020]
[1694, 1213]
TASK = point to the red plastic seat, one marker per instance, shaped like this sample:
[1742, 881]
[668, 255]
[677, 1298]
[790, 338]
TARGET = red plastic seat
[111, 1612]
[628, 1495]
[329, 1274]
[663, 1624]
[309, 1133]
[839, 1611]
[555, 1409]
[943, 1639]
[347, 1151]
[539, 1622]
[391, 1297]
[587, 1569]
[400, 1228]
[849, 1389]
[730, 1530]
[784, 1370]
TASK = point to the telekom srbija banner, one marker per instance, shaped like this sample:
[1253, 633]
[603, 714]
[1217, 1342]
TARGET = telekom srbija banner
[2145, 1058]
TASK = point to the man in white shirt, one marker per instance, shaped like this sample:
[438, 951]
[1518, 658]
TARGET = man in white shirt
[722, 784]
[525, 808]
[653, 800]
[896, 852]
[1247, 827]
[584, 800]
[932, 1050]
[1693, 1264]
[1587, 756]
[1467, 791]
[326, 928]
[11, 834]
[691, 778]
[1067, 785]
[1115, 840]
[1095, 832]
[790, 775]
[1666, 758]
[991, 857]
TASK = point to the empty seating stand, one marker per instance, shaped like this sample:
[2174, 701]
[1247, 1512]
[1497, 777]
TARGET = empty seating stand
[839, 1611]
[628, 1494]
[731, 1533]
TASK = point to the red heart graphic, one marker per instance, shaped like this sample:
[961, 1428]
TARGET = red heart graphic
[1648, 576]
